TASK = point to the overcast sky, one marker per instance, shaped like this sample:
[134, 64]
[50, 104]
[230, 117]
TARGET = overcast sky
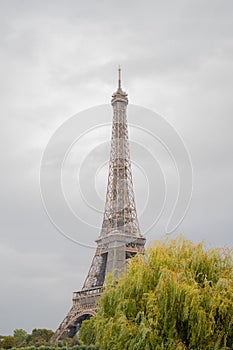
[58, 58]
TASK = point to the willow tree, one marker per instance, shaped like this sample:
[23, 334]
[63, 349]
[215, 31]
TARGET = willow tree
[179, 296]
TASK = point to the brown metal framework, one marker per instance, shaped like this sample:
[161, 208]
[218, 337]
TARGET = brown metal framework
[120, 236]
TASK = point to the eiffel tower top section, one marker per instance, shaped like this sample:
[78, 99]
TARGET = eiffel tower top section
[120, 215]
[119, 95]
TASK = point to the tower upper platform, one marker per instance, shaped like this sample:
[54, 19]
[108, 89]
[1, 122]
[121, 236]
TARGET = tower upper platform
[119, 95]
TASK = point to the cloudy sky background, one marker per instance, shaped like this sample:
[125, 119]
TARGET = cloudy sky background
[58, 58]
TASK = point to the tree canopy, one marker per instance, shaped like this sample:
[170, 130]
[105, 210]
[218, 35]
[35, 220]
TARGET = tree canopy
[21, 339]
[179, 296]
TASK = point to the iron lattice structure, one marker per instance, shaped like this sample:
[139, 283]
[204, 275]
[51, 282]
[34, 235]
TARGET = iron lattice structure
[120, 209]
[120, 236]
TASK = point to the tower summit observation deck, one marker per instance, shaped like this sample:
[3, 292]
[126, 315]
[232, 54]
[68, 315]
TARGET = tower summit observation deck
[120, 236]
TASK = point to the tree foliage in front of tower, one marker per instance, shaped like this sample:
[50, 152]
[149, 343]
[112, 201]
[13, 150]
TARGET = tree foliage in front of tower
[180, 296]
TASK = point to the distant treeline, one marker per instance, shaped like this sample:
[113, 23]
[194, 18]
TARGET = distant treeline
[76, 347]
[39, 339]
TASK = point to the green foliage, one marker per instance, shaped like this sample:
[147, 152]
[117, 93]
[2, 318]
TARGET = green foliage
[40, 337]
[87, 334]
[7, 342]
[70, 342]
[77, 347]
[178, 297]
[85, 347]
[20, 337]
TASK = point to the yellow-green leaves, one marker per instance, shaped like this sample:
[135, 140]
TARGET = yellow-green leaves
[180, 296]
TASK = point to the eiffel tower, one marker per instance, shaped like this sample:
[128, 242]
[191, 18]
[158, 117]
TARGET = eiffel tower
[120, 236]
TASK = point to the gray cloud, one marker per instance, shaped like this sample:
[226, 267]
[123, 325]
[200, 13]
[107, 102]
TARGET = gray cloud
[58, 58]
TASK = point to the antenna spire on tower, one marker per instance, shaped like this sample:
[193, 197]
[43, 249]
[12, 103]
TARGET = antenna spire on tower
[119, 77]
[119, 95]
